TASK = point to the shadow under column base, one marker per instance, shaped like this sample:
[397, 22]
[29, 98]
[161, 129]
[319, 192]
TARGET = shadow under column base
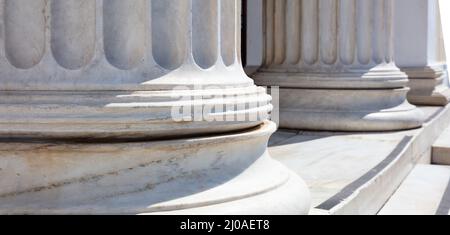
[429, 85]
[440, 96]
[218, 174]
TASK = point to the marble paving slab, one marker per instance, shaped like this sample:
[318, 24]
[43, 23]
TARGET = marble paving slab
[336, 164]
[424, 192]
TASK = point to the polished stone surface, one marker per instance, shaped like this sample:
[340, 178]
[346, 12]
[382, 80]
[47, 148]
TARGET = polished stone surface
[424, 192]
[220, 174]
[356, 173]
[441, 149]
[347, 109]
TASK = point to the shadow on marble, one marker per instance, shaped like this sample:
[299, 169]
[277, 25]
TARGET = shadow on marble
[336, 164]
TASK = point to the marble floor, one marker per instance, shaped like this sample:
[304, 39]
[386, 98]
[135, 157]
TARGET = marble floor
[339, 166]
[426, 191]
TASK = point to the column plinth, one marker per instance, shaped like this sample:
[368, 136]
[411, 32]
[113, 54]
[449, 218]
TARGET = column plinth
[334, 64]
[133, 106]
[429, 85]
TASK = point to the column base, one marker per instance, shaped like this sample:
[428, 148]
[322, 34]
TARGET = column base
[131, 115]
[221, 174]
[429, 85]
[348, 110]
[440, 96]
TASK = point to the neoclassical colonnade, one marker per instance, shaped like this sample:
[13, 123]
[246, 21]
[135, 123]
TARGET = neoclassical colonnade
[335, 64]
[87, 97]
[142, 106]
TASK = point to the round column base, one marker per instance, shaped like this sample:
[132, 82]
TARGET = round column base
[220, 174]
[348, 110]
[131, 115]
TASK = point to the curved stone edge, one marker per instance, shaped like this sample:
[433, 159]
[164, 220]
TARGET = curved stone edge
[348, 110]
[292, 198]
[131, 115]
[438, 97]
[356, 79]
[429, 85]
[218, 174]
[374, 194]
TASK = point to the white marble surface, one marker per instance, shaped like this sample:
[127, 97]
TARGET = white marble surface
[123, 69]
[221, 174]
[134, 106]
[328, 162]
[422, 192]
[441, 149]
[331, 161]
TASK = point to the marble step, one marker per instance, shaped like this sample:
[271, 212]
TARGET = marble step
[426, 191]
[356, 172]
[441, 149]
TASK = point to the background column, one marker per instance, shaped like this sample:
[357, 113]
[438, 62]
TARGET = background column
[334, 63]
[420, 51]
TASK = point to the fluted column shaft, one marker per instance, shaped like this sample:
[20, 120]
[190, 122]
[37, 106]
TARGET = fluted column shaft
[363, 39]
[115, 45]
[329, 57]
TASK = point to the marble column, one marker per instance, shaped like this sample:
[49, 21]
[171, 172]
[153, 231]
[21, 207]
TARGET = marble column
[134, 106]
[334, 63]
[420, 51]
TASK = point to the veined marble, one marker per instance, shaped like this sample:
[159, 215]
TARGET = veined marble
[90, 120]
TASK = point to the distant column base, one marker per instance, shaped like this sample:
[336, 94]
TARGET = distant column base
[348, 109]
[438, 97]
[429, 85]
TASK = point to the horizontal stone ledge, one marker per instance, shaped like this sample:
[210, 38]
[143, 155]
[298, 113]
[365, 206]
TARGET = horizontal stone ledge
[131, 115]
